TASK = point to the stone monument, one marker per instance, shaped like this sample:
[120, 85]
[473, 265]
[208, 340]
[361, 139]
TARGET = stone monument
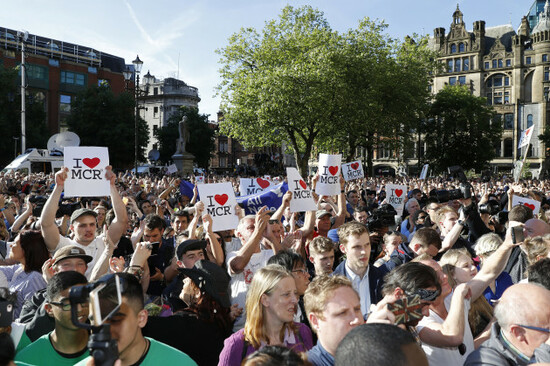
[183, 159]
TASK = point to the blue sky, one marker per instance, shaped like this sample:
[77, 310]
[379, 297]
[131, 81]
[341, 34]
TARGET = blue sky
[168, 33]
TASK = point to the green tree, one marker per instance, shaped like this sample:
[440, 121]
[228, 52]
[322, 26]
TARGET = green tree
[460, 131]
[201, 139]
[102, 118]
[280, 85]
[36, 130]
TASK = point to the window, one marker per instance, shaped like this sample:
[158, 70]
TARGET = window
[546, 73]
[450, 65]
[457, 65]
[500, 63]
[498, 149]
[546, 93]
[528, 60]
[508, 63]
[497, 98]
[494, 64]
[508, 121]
[155, 91]
[529, 120]
[544, 58]
[73, 78]
[65, 103]
[506, 97]
[92, 70]
[506, 81]
[36, 72]
[496, 119]
[508, 148]
[462, 80]
[452, 80]
[54, 63]
[223, 162]
[155, 111]
[155, 129]
[466, 64]
[461, 47]
[486, 64]
[453, 48]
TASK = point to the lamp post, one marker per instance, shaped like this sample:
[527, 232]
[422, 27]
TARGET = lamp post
[137, 67]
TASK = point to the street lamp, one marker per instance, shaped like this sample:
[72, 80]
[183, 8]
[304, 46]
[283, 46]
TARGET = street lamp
[137, 67]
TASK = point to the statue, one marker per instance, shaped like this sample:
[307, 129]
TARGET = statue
[184, 136]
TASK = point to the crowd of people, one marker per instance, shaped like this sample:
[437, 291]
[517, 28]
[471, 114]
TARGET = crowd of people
[460, 277]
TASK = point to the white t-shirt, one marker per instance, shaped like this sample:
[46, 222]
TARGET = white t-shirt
[94, 249]
[447, 356]
[241, 282]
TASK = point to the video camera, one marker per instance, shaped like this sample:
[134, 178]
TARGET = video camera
[464, 190]
[38, 202]
[104, 297]
[383, 216]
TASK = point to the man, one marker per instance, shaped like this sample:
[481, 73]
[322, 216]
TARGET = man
[322, 223]
[66, 344]
[180, 222]
[154, 228]
[367, 280]
[522, 325]
[431, 208]
[321, 254]
[126, 329]
[352, 198]
[333, 309]
[539, 273]
[425, 240]
[450, 227]
[360, 214]
[517, 264]
[243, 263]
[296, 265]
[146, 208]
[83, 221]
[380, 345]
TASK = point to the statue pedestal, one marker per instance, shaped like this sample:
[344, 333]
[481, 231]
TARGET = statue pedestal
[184, 162]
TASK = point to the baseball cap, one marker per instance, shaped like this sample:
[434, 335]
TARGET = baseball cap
[71, 251]
[211, 279]
[81, 212]
[191, 244]
[321, 213]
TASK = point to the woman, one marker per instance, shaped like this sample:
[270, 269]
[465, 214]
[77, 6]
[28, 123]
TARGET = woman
[270, 307]
[486, 245]
[29, 249]
[459, 268]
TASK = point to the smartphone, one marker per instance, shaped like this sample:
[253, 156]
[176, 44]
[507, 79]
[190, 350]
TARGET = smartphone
[105, 300]
[407, 309]
[154, 247]
[517, 234]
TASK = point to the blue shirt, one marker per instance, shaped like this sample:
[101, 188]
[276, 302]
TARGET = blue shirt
[319, 356]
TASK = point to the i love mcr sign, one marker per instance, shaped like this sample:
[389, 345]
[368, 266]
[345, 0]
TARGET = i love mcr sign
[329, 175]
[353, 170]
[86, 171]
[219, 201]
[395, 196]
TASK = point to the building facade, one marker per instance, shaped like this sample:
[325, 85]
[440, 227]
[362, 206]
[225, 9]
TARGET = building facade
[56, 71]
[161, 99]
[511, 68]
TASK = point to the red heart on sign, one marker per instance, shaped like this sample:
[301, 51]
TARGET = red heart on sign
[333, 170]
[303, 184]
[221, 198]
[91, 163]
[354, 166]
[262, 183]
[532, 207]
[398, 192]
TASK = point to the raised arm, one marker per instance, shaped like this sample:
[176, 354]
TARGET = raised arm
[49, 229]
[277, 215]
[239, 262]
[118, 226]
[341, 215]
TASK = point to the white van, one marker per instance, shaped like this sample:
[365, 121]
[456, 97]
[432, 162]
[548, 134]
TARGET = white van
[36, 161]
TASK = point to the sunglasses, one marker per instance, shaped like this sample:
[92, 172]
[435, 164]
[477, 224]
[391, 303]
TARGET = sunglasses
[427, 295]
[545, 330]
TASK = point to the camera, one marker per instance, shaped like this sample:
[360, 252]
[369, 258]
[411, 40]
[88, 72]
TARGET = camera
[67, 209]
[104, 298]
[38, 202]
[464, 190]
[383, 216]
[492, 207]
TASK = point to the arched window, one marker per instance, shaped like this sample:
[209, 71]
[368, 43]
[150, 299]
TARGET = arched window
[498, 89]
[461, 47]
[453, 48]
[529, 120]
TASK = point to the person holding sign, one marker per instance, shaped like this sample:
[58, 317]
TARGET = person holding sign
[83, 221]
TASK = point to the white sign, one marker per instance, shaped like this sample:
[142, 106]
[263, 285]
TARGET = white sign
[353, 170]
[199, 179]
[424, 172]
[253, 185]
[528, 202]
[302, 199]
[395, 196]
[219, 201]
[329, 175]
[172, 169]
[518, 166]
[86, 171]
[525, 137]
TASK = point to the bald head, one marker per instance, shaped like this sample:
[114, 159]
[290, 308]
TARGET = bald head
[524, 304]
[536, 227]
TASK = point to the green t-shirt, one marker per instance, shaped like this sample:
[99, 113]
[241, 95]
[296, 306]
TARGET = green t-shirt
[41, 352]
[160, 353]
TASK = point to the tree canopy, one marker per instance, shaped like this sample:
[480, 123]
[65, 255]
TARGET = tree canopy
[299, 82]
[460, 130]
[201, 140]
[36, 130]
[101, 118]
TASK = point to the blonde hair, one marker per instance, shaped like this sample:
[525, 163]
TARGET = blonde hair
[320, 245]
[441, 212]
[263, 283]
[487, 244]
[536, 247]
[448, 263]
[351, 229]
